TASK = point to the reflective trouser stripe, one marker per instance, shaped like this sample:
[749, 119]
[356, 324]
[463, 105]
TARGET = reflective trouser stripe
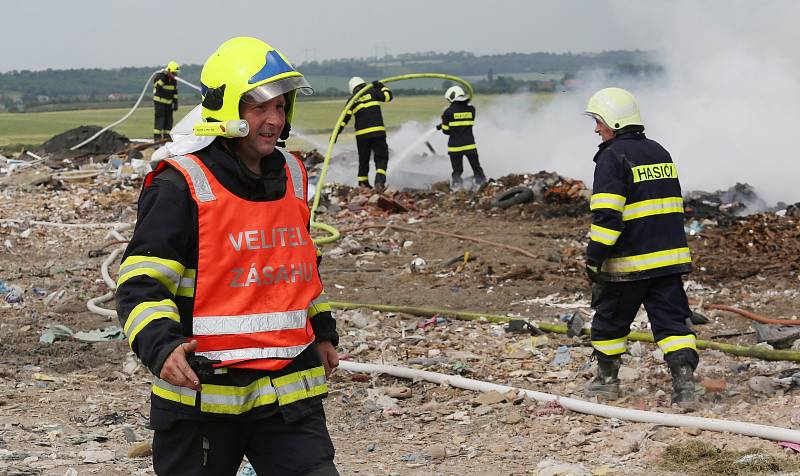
[380, 171]
[658, 259]
[249, 323]
[147, 312]
[673, 343]
[657, 206]
[607, 200]
[165, 271]
[299, 385]
[612, 346]
[362, 178]
[255, 353]
[186, 286]
[462, 148]
[365, 105]
[606, 236]
[162, 100]
[320, 304]
[167, 391]
[233, 400]
[461, 123]
[370, 129]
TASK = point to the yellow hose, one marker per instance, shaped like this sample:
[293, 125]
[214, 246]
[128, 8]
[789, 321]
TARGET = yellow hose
[333, 232]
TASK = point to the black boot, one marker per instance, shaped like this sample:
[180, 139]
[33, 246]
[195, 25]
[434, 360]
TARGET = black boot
[683, 393]
[380, 183]
[364, 184]
[606, 383]
[456, 182]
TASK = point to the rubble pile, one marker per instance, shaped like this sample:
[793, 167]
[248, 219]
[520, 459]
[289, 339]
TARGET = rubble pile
[739, 200]
[55, 354]
[58, 147]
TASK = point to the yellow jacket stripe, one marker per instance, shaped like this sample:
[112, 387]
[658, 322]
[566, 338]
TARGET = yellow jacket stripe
[365, 105]
[299, 385]
[173, 393]
[186, 286]
[607, 200]
[606, 236]
[673, 343]
[145, 313]
[320, 304]
[462, 148]
[656, 206]
[231, 400]
[611, 346]
[459, 123]
[370, 129]
[165, 271]
[647, 261]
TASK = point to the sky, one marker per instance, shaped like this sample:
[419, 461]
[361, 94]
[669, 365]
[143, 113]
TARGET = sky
[106, 34]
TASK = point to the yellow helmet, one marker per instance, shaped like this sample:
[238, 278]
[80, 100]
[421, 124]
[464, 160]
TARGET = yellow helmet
[247, 68]
[173, 67]
[616, 107]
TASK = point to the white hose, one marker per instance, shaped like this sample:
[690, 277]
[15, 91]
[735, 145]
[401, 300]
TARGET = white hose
[93, 304]
[126, 116]
[581, 406]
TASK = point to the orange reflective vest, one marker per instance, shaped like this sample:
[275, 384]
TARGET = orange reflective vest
[256, 271]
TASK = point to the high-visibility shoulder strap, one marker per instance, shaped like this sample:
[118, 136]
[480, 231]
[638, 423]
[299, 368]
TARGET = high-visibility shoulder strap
[200, 183]
[296, 173]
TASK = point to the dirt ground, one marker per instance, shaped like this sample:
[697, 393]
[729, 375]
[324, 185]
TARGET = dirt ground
[75, 407]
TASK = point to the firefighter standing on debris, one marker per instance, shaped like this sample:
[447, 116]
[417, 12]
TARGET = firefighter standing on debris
[369, 129]
[165, 99]
[219, 291]
[637, 250]
[457, 122]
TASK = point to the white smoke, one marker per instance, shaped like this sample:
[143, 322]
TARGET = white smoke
[726, 108]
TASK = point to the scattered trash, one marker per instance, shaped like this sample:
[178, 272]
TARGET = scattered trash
[519, 326]
[779, 337]
[55, 331]
[562, 357]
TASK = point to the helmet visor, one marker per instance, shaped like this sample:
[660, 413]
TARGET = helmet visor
[265, 92]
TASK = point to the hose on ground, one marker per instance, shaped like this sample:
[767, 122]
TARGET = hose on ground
[581, 406]
[333, 233]
[128, 114]
[742, 351]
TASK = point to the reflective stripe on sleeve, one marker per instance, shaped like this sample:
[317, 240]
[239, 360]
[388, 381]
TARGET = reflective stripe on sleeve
[603, 235]
[166, 271]
[365, 105]
[299, 385]
[607, 200]
[658, 259]
[320, 304]
[656, 206]
[461, 123]
[187, 284]
[612, 346]
[147, 312]
[673, 343]
[249, 323]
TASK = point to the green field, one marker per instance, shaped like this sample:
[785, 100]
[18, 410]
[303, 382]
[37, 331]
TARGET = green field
[312, 116]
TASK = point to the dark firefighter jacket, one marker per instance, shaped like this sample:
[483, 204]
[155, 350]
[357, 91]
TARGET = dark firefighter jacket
[165, 242]
[637, 212]
[457, 122]
[165, 88]
[367, 110]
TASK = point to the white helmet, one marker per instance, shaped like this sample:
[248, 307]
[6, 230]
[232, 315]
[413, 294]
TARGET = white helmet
[455, 93]
[354, 82]
[616, 107]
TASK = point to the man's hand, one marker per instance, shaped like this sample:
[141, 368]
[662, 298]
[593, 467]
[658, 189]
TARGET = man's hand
[175, 104]
[377, 84]
[176, 369]
[591, 273]
[328, 355]
[438, 127]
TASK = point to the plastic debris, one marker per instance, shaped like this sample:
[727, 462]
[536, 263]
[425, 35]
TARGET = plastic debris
[562, 356]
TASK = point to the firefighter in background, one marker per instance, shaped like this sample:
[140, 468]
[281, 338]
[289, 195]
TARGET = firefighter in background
[457, 122]
[165, 99]
[370, 131]
[219, 292]
[637, 250]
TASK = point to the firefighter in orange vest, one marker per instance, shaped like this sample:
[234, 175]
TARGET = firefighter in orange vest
[219, 290]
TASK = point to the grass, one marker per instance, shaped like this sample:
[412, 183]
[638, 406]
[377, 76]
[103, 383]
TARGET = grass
[704, 459]
[314, 116]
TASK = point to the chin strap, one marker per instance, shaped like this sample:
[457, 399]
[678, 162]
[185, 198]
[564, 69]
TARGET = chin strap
[285, 132]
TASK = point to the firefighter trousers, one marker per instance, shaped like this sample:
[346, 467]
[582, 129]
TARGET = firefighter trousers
[457, 162]
[617, 303]
[272, 446]
[377, 147]
[163, 120]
